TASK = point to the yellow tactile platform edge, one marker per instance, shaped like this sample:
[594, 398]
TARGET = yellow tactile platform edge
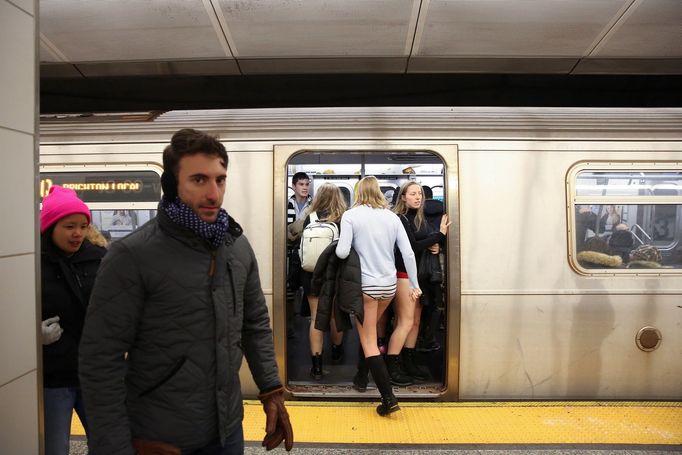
[475, 423]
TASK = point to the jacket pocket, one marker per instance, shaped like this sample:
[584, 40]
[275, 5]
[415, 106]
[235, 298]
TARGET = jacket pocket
[165, 378]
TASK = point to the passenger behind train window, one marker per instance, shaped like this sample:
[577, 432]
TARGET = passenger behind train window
[645, 257]
[433, 209]
[423, 241]
[327, 206]
[301, 199]
[297, 209]
[432, 314]
[609, 219]
[596, 254]
[372, 231]
[621, 242]
[585, 226]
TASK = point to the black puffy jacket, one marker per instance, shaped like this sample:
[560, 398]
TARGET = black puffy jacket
[66, 286]
[338, 284]
[185, 314]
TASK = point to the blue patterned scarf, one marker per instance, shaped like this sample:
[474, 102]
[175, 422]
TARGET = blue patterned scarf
[182, 214]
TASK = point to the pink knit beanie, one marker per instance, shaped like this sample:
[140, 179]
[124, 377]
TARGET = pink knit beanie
[58, 203]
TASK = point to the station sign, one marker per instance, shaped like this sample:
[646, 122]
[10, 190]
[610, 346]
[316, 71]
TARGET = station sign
[106, 186]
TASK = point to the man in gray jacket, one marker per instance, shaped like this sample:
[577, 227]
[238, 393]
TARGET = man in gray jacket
[175, 306]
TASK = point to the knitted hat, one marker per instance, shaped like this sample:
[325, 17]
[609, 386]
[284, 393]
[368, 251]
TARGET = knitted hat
[646, 253]
[58, 203]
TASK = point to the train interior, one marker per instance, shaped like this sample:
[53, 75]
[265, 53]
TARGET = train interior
[345, 169]
[631, 211]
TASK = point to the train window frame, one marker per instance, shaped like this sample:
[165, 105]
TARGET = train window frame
[447, 153]
[574, 200]
[100, 209]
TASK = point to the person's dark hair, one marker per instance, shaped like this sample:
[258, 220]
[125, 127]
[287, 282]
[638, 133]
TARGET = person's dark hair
[428, 192]
[597, 244]
[189, 141]
[299, 176]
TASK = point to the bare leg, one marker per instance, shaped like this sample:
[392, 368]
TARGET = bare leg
[404, 312]
[315, 336]
[411, 340]
[336, 335]
[367, 330]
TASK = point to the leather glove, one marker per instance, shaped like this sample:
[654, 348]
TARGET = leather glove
[51, 329]
[277, 425]
[146, 447]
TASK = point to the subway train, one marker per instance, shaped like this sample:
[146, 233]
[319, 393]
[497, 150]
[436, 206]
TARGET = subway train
[524, 315]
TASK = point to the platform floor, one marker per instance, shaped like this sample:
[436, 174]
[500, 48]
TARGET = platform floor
[471, 427]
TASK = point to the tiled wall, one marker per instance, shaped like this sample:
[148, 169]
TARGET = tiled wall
[19, 432]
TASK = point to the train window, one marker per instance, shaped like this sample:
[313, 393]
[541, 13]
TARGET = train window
[116, 224]
[345, 169]
[626, 219]
[120, 200]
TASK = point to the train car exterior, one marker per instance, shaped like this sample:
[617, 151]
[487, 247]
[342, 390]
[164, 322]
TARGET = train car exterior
[524, 317]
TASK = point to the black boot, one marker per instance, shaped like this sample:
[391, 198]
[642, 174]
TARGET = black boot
[409, 362]
[389, 403]
[361, 378]
[337, 353]
[397, 376]
[316, 369]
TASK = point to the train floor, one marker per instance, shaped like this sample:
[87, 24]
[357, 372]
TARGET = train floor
[490, 428]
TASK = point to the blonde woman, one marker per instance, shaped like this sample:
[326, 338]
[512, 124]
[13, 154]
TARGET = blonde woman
[329, 205]
[410, 209]
[373, 231]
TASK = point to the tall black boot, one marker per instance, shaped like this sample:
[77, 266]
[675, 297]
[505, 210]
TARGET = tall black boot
[397, 376]
[316, 369]
[389, 403]
[409, 361]
[361, 378]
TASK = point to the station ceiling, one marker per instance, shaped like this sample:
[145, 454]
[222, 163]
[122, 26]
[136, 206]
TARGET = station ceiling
[121, 55]
[112, 38]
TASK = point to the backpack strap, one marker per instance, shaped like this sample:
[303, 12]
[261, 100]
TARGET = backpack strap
[313, 217]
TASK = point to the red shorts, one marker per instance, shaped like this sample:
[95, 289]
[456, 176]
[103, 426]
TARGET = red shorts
[402, 275]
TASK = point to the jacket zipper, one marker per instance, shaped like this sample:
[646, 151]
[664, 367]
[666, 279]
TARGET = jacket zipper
[211, 267]
[234, 292]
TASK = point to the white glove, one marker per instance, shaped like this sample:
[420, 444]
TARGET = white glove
[51, 329]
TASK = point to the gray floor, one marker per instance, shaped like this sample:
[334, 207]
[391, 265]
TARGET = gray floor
[78, 447]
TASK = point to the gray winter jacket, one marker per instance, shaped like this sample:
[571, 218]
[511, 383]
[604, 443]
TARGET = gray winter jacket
[184, 314]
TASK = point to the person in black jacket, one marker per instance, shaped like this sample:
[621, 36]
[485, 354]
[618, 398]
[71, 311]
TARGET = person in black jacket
[176, 307]
[328, 206]
[68, 266]
[410, 210]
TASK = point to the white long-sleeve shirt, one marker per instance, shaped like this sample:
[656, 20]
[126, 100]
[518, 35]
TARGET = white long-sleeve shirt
[373, 233]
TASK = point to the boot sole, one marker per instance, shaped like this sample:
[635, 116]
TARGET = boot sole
[390, 410]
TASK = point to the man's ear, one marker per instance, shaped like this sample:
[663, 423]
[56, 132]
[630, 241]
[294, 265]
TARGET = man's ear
[169, 185]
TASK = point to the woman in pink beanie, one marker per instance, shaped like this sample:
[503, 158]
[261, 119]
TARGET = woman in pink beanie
[69, 263]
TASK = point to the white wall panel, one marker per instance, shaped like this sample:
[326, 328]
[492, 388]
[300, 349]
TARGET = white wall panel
[513, 221]
[17, 78]
[18, 316]
[17, 190]
[18, 351]
[19, 416]
[249, 201]
[524, 347]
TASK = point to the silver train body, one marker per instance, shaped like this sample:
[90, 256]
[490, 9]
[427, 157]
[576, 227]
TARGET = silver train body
[523, 319]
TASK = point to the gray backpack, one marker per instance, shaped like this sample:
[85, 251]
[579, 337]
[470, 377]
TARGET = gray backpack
[315, 238]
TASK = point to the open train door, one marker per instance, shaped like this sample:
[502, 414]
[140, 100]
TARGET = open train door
[344, 164]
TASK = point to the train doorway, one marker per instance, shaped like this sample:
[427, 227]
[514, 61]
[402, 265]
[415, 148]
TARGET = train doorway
[438, 341]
